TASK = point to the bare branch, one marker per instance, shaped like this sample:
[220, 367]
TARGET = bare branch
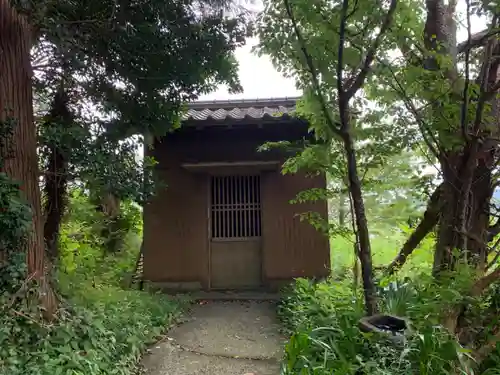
[465, 101]
[483, 283]
[428, 222]
[477, 40]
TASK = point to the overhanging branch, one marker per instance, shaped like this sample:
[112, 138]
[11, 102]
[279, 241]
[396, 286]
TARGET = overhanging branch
[428, 222]
[477, 40]
[483, 283]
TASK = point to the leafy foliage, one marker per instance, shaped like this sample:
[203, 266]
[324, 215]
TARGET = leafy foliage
[101, 331]
[100, 327]
[386, 242]
[137, 63]
[123, 71]
[83, 246]
[323, 319]
[375, 92]
[15, 221]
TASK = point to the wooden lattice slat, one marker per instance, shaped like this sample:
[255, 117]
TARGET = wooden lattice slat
[235, 207]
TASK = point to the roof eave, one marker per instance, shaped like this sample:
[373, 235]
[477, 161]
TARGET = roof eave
[244, 103]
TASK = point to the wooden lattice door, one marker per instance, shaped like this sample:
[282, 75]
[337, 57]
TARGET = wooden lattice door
[235, 232]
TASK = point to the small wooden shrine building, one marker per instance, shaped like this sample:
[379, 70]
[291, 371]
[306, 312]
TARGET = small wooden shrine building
[224, 221]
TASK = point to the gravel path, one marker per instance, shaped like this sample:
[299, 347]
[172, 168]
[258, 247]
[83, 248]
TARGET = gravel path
[221, 338]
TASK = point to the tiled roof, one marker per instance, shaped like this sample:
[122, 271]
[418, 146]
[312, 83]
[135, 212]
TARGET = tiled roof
[220, 110]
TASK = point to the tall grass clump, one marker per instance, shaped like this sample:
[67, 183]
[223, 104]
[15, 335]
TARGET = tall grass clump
[322, 321]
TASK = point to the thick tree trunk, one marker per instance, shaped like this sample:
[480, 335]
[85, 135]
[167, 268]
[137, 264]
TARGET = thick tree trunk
[56, 178]
[451, 246]
[466, 169]
[21, 163]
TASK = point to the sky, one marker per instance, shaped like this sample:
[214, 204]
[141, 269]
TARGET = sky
[258, 77]
[261, 80]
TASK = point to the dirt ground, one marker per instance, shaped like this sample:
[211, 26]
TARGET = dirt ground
[220, 338]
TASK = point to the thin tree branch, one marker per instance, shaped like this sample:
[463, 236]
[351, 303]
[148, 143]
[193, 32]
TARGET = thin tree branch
[370, 56]
[465, 103]
[424, 129]
[340, 55]
[312, 69]
[484, 81]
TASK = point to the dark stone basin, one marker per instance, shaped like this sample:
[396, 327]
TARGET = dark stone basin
[388, 325]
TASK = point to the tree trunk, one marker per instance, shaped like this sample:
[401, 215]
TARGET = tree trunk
[364, 252]
[450, 247]
[466, 168]
[342, 210]
[21, 162]
[468, 185]
[111, 232]
[56, 178]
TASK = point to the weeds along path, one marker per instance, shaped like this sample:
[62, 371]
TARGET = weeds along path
[221, 338]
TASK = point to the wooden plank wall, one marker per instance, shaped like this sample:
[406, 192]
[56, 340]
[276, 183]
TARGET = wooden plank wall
[175, 223]
[175, 228]
[292, 248]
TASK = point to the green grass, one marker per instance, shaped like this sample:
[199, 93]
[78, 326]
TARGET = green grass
[385, 246]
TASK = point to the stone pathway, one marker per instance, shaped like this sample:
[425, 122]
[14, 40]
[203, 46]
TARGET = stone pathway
[221, 338]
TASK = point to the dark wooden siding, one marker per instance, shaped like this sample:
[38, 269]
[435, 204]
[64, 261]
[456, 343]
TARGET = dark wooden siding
[292, 248]
[175, 229]
[223, 144]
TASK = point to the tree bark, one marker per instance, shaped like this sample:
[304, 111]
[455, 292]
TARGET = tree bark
[342, 210]
[466, 168]
[450, 246]
[364, 253]
[468, 184]
[56, 178]
[21, 162]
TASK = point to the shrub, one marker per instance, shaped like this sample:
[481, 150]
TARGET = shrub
[101, 329]
[83, 254]
[322, 319]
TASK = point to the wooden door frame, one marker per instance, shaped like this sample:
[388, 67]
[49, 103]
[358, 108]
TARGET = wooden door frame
[208, 178]
[237, 171]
